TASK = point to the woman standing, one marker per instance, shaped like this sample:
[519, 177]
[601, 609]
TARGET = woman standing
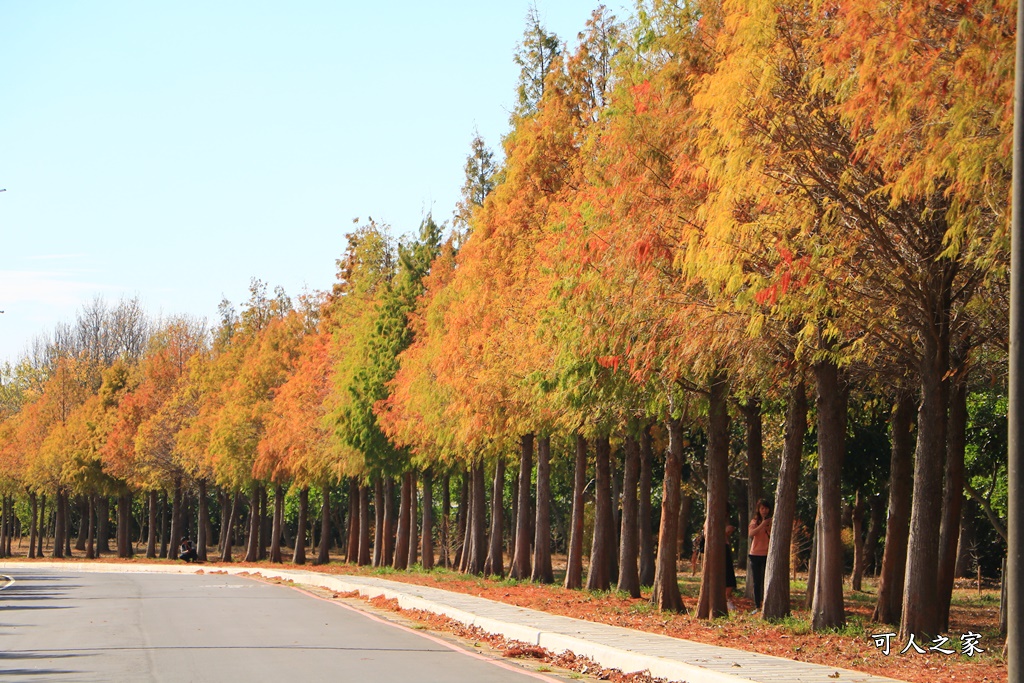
[758, 531]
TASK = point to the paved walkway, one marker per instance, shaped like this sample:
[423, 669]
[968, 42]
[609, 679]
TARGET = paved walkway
[610, 646]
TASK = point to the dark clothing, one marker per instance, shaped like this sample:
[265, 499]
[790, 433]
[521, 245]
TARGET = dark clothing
[730, 571]
[188, 552]
[757, 564]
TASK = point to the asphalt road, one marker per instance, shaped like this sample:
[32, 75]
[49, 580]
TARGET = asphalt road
[65, 626]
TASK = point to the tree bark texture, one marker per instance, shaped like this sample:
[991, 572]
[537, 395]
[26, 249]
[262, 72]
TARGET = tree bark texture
[952, 497]
[414, 541]
[889, 602]
[378, 525]
[776, 602]
[428, 520]
[574, 559]
[228, 523]
[644, 521]
[401, 558]
[827, 609]
[542, 569]
[494, 565]
[275, 534]
[389, 522]
[629, 543]
[711, 602]
[124, 525]
[202, 539]
[521, 560]
[151, 534]
[920, 586]
[365, 553]
[324, 552]
[601, 558]
[354, 522]
[301, 530]
[666, 595]
[251, 550]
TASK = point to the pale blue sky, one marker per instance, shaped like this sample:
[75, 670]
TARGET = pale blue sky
[175, 150]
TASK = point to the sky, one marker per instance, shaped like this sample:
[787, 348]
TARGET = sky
[174, 151]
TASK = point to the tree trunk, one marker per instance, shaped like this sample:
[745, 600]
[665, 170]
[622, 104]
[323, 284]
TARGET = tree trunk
[261, 543]
[389, 522]
[414, 541]
[251, 550]
[176, 530]
[812, 563]
[857, 580]
[953, 497]
[151, 534]
[378, 521]
[599, 576]
[90, 541]
[644, 520]
[58, 525]
[827, 606]
[354, 522]
[401, 558]
[428, 520]
[462, 524]
[894, 556]
[875, 524]
[163, 525]
[83, 525]
[629, 543]
[124, 525]
[775, 604]
[574, 560]
[324, 552]
[478, 523]
[613, 550]
[513, 518]
[102, 525]
[42, 525]
[33, 504]
[275, 534]
[543, 572]
[755, 476]
[920, 587]
[711, 602]
[229, 528]
[202, 538]
[444, 536]
[67, 525]
[495, 563]
[301, 530]
[520, 568]
[666, 585]
[968, 539]
[364, 525]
